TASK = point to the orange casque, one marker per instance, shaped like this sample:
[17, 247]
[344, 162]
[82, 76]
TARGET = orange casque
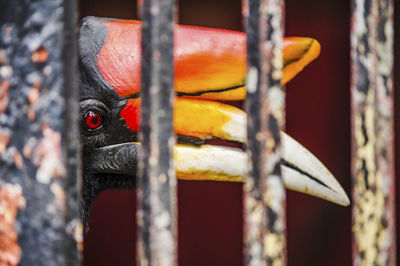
[210, 64]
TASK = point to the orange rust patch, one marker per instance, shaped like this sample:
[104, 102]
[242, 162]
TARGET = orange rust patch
[4, 85]
[27, 151]
[40, 55]
[11, 199]
[4, 140]
[36, 83]
[77, 232]
[18, 161]
[47, 156]
[3, 58]
[8, 30]
[59, 196]
[33, 95]
[29, 145]
[31, 114]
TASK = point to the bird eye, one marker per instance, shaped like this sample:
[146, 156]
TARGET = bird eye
[94, 115]
[93, 120]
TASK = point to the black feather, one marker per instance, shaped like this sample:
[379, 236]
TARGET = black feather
[97, 94]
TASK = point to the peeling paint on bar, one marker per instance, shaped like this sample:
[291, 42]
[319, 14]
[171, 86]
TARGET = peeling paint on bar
[39, 130]
[265, 196]
[11, 200]
[373, 220]
[156, 181]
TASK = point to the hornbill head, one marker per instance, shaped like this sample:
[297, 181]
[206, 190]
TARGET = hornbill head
[210, 64]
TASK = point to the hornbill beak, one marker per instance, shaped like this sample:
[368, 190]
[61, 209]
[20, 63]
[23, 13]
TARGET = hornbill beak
[110, 107]
[301, 170]
[209, 63]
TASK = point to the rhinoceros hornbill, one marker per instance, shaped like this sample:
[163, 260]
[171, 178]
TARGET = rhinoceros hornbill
[209, 65]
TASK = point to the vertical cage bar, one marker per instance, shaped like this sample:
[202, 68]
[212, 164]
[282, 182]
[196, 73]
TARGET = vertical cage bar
[157, 184]
[39, 133]
[265, 196]
[373, 213]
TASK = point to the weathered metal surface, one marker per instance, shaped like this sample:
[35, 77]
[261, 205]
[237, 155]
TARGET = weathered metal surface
[264, 192]
[11, 200]
[373, 220]
[39, 128]
[156, 182]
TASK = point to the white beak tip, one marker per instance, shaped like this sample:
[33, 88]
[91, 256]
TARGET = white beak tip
[345, 201]
[303, 172]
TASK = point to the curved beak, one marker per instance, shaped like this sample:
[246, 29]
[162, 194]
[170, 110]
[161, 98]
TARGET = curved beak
[298, 52]
[203, 119]
[301, 170]
[209, 63]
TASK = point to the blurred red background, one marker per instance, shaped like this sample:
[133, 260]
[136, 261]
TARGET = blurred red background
[210, 213]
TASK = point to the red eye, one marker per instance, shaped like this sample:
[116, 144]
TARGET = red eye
[93, 120]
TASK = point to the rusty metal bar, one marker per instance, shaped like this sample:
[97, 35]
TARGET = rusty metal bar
[156, 182]
[39, 133]
[265, 196]
[373, 220]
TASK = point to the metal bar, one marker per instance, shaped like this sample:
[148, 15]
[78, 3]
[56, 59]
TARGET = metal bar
[264, 191]
[39, 132]
[71, 135]
[373, 220]
[156, 183]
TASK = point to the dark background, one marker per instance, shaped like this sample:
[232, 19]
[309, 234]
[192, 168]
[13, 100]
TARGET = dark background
[317, 115]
